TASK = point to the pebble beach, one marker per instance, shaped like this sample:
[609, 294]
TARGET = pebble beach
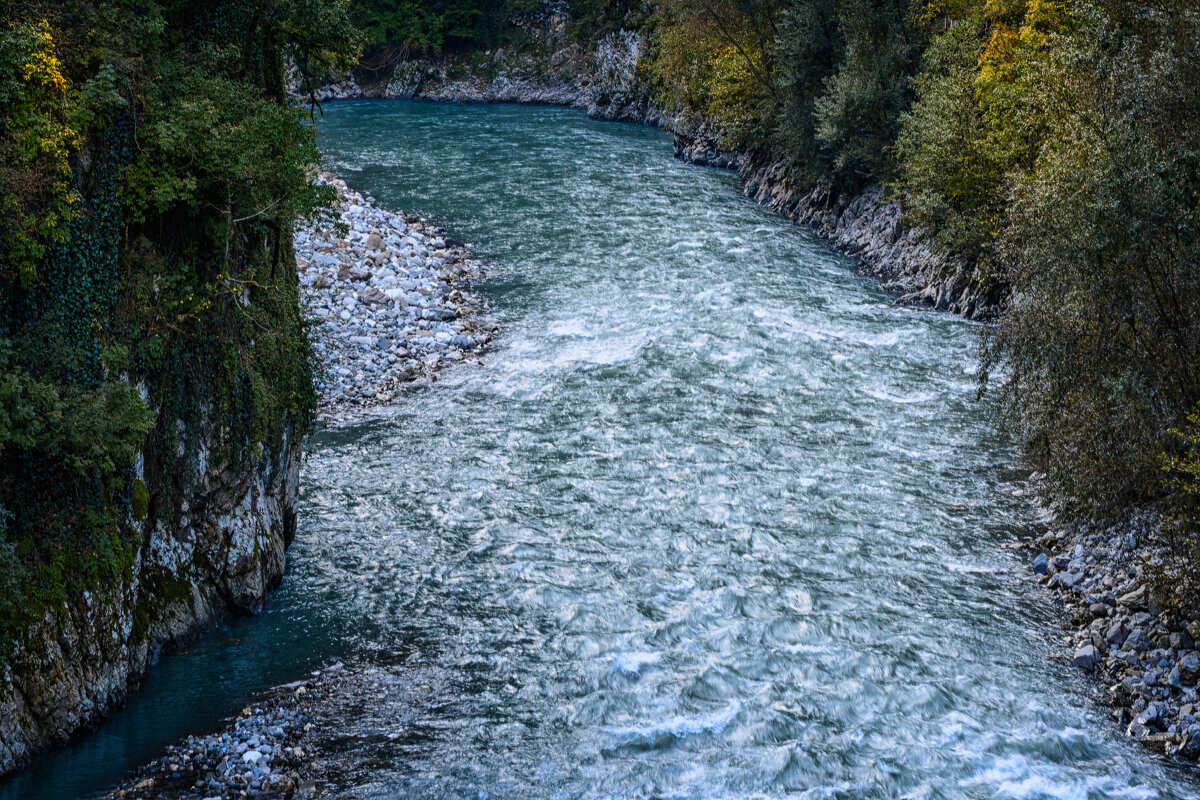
[387, 300]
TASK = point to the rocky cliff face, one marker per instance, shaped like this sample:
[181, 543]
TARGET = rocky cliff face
[605, 82]
[222, 555]
[870, 227]
[862, 224]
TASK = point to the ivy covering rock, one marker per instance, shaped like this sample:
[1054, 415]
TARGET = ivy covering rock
[154, 367]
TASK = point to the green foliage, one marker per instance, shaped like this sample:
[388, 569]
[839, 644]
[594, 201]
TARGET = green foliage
[737, 98]
[399, 29]
[716, 58]
[139, 502]
[595, 18]
[984, 108]
[858, 115]
[1182, 467]
[185, 169]
[91, 435]
[1179, 583]
[318, 36]
[65, 456]
[953, 187]
[808, 49]
[1101, 240]
[36, 138]
[820, 83]
[409, 28]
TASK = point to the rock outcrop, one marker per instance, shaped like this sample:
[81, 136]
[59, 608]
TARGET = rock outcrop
[605, 82]
[222, 554]
[863, 224]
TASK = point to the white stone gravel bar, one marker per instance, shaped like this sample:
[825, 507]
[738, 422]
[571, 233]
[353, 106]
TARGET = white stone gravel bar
[387, 300]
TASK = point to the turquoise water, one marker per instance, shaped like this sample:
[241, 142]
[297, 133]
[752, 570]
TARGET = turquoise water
[713, 520]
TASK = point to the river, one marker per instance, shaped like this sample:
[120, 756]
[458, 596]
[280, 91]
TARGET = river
[713, 520]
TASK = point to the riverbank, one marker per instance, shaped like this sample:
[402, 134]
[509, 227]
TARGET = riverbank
[388, 306]
[266, 751]
[458, 571]
[84, 660]
[288, 744]
[1144, 656]
[387, 302]
[609, 83]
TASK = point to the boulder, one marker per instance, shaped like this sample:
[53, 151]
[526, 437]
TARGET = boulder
[353, 273]
[1189, 744]
[1135, 600]
[1116, 633]
[1085, 657]
[1189, 668]
[374, 295]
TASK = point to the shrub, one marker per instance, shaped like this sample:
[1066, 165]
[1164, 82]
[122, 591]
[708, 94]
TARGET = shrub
[158, 305]
[858, 114]
[1102, 340]
[952, 187]
[1180, 578]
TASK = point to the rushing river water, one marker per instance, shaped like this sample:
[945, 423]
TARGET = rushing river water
[715, 520]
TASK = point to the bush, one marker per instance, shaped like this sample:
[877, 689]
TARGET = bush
[159, 308]
[717, 59]
[952, 186]
[858, 115]
[1102, 339]
[819, 83]
[1180, 580]
[807, 50]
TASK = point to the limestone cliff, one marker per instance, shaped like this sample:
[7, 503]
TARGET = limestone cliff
[222, 555]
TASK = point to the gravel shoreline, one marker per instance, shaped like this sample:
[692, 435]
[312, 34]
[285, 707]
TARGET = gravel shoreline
[270, 751]
[388, 302]
[1143, 656]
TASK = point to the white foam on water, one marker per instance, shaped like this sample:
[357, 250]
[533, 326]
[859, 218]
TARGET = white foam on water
[679, 726]
[569, 327]
[888, 397]
[632, 663]
[1014, 777]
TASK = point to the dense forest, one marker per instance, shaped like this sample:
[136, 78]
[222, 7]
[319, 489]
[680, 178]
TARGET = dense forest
[151, 169]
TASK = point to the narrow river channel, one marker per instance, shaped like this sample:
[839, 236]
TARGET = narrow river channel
[714, 520]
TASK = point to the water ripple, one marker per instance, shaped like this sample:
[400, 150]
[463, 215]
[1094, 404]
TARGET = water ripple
[715, 520]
